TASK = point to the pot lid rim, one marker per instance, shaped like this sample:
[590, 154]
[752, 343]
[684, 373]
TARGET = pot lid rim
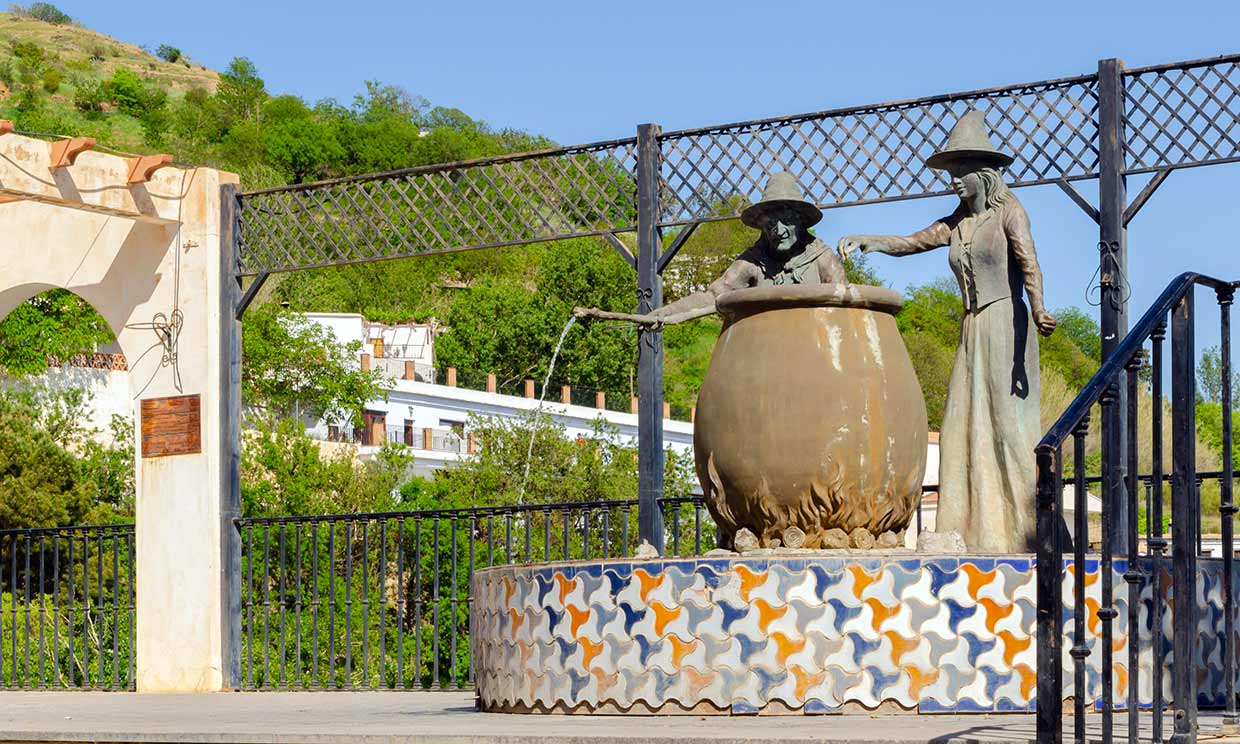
[774, 297]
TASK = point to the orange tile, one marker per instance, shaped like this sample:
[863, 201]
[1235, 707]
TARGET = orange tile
[663, 615]
[919, 680]
[900, 645]
[805, 680]
[995, 612]
[1012, 645]
[768, 613]
[589, 651]
[881, 611]
[786, 646]
[977, 577]
[861, 580]
[749, 580]
[577, 617]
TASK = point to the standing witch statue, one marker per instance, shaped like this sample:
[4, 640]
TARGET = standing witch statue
[991, 423]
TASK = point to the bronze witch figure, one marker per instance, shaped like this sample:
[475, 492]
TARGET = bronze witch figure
[786, 253]
[811, 427]
[991, 423]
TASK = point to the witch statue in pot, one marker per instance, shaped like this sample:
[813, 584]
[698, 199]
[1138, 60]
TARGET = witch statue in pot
[991, 422]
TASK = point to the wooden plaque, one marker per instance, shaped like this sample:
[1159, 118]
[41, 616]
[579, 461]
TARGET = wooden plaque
[171, 426]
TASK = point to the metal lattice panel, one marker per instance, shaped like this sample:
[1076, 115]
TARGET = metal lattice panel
[498, 201]
[1183, 114]
[877, 153]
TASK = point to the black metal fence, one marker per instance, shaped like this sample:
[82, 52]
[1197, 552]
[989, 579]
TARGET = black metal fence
[381, 601]
[1152, 660]
[67, 608]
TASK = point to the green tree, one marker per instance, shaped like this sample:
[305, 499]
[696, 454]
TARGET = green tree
[1210, 377]
[45, 12]
[168, 53]
[56, 324]
[572, 272]
[291, 365]
[284, 471]
[51, 473]
[241, 91]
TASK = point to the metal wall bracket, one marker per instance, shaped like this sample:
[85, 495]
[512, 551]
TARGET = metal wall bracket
[622, 249]
[1078, 199]
[677, 243]
[1135, 205]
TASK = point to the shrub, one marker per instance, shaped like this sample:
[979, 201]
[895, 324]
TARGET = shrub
[168, 53]
[130, 95]
[51, 80]
[28, 53]
[48, 13]
[97, 51]
[7, 75]
[89, 98]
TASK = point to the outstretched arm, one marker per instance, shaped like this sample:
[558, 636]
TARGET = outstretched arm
[934, 236]
[696, 305]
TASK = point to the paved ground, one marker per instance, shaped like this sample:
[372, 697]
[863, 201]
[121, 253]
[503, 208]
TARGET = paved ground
[450, 718]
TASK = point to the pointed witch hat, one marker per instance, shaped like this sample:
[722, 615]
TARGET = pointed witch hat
[968, 140]
[782, 191]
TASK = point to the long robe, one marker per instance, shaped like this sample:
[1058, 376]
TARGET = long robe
[991, 424]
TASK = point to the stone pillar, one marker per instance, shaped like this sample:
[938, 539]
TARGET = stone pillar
[138, 255]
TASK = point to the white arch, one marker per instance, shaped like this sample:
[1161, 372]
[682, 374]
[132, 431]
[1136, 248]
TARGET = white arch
[134, 251]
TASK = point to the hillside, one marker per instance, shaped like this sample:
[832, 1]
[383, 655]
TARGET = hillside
[74, 59]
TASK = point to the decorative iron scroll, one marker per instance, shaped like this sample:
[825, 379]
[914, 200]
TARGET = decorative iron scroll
[877, 153]
[1186, 113]
[506, 200]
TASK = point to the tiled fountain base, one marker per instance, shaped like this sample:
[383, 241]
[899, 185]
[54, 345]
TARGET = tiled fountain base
[805, 633]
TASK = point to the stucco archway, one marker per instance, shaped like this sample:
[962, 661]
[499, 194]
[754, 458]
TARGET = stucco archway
[141, 252]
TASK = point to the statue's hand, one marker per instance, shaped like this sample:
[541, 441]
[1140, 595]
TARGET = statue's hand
[1045, 322]
[849, 244]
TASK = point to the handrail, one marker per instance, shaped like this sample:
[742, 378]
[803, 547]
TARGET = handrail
[1124, 353]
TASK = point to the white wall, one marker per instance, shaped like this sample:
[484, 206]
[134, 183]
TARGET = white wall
[439, 406]
[108, 390]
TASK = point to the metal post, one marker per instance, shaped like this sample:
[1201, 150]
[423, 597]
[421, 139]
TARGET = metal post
[1112, 277]
[1183, 524]
[1227, 510]
[650, 342]
[230, 437]
[1050, 597]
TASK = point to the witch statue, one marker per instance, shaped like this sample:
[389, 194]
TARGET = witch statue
[991, 423]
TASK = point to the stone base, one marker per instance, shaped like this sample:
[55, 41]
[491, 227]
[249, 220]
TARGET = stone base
[812, 634]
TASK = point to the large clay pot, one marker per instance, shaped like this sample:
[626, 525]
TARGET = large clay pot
[810, 414]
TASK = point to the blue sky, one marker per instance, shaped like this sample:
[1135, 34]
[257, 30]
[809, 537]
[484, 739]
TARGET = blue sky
[582, 71]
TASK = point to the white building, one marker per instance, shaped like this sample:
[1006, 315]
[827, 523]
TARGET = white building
[433, 418]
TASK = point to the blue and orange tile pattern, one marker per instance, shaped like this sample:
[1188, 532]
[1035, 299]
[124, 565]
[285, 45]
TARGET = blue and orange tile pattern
[817, 634]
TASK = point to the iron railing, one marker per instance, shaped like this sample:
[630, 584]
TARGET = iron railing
[67, 608]
[381, 601]
[1095, 671]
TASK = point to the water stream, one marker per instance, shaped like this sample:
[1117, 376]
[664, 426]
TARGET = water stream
[529, 452]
